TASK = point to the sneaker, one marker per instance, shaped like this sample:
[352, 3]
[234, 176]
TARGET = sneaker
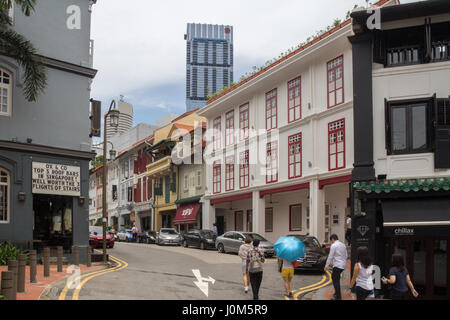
[246, 289]
[290, 295]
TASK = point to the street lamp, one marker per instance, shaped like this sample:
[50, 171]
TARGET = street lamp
[114, 123]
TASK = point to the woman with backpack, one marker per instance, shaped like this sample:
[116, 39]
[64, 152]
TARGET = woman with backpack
[399, 279]
[362, 274]
[255, 259]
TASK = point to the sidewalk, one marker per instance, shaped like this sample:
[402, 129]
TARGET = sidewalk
[34, 290]
[328, 292]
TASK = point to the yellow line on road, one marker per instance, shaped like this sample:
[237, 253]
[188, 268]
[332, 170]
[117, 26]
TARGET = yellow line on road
[121, 265]
[326, 280]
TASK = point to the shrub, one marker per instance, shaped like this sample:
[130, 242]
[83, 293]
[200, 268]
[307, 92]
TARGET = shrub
[9, 252]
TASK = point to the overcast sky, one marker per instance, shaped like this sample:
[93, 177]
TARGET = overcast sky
[140, 50]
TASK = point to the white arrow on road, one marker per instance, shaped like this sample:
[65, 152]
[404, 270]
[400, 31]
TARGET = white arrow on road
[202, 283]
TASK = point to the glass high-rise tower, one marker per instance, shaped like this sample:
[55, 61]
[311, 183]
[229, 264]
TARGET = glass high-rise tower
[209, 61]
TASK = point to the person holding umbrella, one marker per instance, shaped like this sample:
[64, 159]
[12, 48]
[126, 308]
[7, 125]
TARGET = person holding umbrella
[287, 273]
[289, 250]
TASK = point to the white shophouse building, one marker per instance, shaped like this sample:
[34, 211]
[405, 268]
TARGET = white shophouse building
[305, 102]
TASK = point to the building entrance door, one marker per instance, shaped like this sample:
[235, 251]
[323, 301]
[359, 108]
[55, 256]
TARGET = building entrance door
[427, 261]
[53, 225]
[220, 224]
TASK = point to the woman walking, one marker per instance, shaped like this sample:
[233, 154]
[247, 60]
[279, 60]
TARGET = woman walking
[287, 273]
[243, 252]
[362, 274]
[399, 279]
[255, 259]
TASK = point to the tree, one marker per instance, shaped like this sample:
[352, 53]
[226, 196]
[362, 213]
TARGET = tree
[20, 49]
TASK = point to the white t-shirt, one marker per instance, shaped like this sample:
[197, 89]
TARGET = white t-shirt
[364, 279]
[287, 264]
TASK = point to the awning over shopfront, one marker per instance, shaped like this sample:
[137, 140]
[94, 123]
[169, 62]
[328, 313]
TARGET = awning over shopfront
[416, 216]
[187, 214]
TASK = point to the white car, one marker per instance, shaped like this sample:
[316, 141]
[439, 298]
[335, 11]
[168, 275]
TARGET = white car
[168, 236]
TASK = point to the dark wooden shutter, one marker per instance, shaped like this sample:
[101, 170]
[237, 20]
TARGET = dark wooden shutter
[442, 134]
[387, 117]
[379, 47]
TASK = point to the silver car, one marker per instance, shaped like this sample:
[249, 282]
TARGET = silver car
[231, 241]
[168, 236]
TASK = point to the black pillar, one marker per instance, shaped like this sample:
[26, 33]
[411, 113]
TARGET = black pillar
[362, 107]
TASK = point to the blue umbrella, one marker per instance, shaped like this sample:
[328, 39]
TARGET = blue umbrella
[289, 248]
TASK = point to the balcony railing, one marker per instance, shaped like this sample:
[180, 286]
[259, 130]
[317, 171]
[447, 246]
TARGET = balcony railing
[159, 168]
[440, 51]
[403, 56]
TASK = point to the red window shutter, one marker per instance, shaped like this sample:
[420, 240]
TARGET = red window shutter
[144, 185]
[135, 169]
[139, 198]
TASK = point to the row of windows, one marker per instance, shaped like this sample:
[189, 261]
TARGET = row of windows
[335, 85]
[336, 159]
[295, 220]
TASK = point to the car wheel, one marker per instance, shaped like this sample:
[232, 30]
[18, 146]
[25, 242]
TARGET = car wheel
[202, 246]
[157, 242]
[185, 244]
[220, 248]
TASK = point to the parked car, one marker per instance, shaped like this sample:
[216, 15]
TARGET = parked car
[168, 236]
[315, 257]
[202, 239]
[96, 238]
[147, 237]
[232, 240]
[125, 235]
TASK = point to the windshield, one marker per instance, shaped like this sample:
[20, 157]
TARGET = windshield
[207, 234]
[311, 243]
[254, 236]
[168, 231]
[96, 230]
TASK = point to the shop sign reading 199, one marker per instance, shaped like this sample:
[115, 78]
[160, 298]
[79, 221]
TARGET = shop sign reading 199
[50, 178]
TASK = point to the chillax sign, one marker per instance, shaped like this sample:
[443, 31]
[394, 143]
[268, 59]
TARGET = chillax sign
[50, 178]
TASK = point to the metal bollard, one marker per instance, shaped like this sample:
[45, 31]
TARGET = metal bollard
[89, 257]
[21, 273]
[33, 261]
[75, 255]
[12, 266]
[46, 258]
[7, 289]
[59, 260]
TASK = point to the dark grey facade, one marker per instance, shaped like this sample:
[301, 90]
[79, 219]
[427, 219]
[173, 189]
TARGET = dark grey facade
[53, 130]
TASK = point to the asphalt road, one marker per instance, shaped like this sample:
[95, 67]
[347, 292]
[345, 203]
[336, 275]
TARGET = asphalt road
[163, 272]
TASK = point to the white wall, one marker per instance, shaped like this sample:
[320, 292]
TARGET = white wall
[404, 83]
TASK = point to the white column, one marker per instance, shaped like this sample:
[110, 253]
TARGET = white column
[209, 215]
[317, 211]
[259, 213]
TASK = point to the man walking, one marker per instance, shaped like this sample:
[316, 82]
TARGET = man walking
[255, 259]
[215, 229]
[338, 258]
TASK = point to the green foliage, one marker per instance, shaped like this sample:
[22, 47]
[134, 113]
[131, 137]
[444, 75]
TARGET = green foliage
[2, 298]
[99, 223]
[127, 227]
[20, 49]
[9, 252]
[97, 162]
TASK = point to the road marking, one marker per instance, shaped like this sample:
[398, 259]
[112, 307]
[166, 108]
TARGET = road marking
[202, 282]
[326, 280]
[121, 265]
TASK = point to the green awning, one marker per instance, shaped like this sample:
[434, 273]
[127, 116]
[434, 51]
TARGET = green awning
[187, 200]
[404, 185]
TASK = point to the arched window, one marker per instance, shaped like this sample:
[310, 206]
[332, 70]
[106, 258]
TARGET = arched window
[5, 92]
[4, 196]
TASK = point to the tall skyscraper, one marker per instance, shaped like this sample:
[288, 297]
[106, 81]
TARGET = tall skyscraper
[125, 119]
[209, 61]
